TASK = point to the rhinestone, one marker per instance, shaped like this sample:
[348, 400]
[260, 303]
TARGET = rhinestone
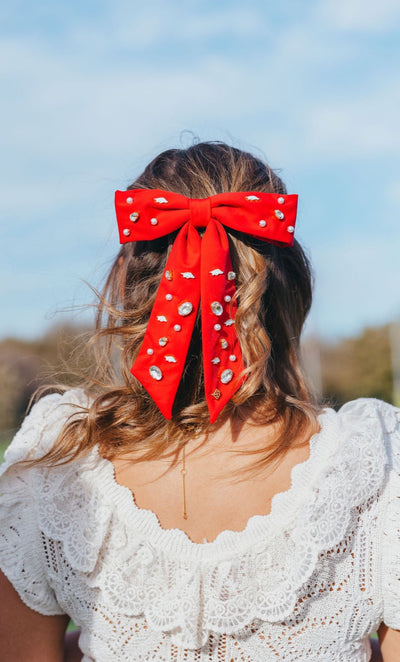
[226, 376]
[281, 200]
[153, 221]
[185, 308]
[168, 274]
[232, 357]
[126, 232]
[252, 197]
[279, 214]
[217, 327]
[216, 272]
[224, 343]
[231, 275]
[290, 229]
[229, 322]
[155, 372]
[217, 308]
[162, 341]
[216, 360]
[216, 394]
[134, 216]
[129, 201]
[168, 297]
[262, 224]
[170, 358]
[187, 274]
[150, 351]
[227, 298]
[162, 318]
[161, 200]
[177, 327]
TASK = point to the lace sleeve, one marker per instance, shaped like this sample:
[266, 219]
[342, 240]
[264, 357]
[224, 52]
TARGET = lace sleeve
[22, 553]
[391, 532]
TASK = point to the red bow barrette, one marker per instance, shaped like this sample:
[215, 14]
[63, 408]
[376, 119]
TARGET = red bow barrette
[198, 270]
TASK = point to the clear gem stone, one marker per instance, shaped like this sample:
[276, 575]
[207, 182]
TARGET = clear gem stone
[170, 359]
[231, 275]
[224, 343]
[163, 341]
[153, 221]
[168, 274]
[290, 229]
[216, 272]
[281, 200]
[150, 351]
[262, 223]
[187, 274]
[134, 216]
[227, 298]
[177, 327]
[229, 322]
[162, 318]
[126, 232]
[185, 308]
[226, 376]
[217, 327]
[156, 373]
[129, 201]
[232, 357]
[168, 297]
[217, 308]
[161, 200]
[279, 214]
[252, 197]
[216, 360]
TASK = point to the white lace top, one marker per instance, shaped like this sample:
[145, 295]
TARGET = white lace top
[309, 582]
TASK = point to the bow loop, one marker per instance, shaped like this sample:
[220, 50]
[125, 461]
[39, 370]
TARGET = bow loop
[198, 270]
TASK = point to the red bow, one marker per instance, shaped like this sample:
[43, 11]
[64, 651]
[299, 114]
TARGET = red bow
[197, 269]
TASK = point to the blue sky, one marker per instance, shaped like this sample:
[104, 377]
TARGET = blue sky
[91, 91]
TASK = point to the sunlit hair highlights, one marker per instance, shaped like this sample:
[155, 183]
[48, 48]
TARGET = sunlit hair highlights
[274, 296]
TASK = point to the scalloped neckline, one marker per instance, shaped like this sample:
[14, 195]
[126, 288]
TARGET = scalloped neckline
[282, 508]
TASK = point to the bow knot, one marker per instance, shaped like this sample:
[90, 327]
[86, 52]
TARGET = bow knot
[198, 273]
[200, 211]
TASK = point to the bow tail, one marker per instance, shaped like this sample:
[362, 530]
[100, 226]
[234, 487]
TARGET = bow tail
[161, 359]
[222, 356]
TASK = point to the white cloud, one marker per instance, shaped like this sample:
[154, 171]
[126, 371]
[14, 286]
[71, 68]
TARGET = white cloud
[361, 15]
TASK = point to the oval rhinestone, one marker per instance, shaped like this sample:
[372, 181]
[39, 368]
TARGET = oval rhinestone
[155, 372]
[262, 223]
[126, 232]
[217, 308]
[153, 221]
[168, 274]
[227, 298]
[281, 200]
[129, 201]
[279, 214]
[134, 216]
[177, 327]
[224, 343]
[217, 327]
[290, 229]
[168, 297]
[231, 275]
[226, 376]
[232, 357]
[185, 308]
[150, 351]
[163, 341]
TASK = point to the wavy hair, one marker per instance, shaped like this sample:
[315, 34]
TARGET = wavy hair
[274, 293]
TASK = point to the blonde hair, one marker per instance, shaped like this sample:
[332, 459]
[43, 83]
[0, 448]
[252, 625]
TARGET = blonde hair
[274, 296]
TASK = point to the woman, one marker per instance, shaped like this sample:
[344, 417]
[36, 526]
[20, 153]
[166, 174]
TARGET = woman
[202, 506]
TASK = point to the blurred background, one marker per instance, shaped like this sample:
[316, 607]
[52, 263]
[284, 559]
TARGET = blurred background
[92, 90]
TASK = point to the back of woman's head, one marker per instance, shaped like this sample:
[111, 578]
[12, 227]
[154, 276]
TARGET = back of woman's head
[274, 291]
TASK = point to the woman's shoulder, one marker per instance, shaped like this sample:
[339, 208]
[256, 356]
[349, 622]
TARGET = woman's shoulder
[43, 424]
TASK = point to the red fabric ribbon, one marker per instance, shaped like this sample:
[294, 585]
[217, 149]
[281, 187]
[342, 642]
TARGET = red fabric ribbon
[198, 270]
